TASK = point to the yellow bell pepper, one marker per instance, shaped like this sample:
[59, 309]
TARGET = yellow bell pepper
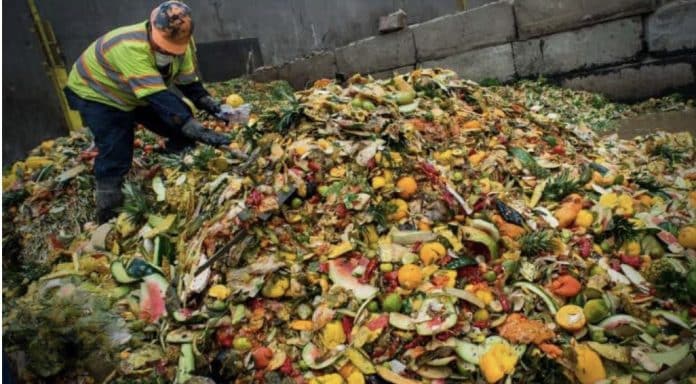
[333, 335]
[500, 360]
[219, 291]
[481, 291]
[275, 288]
[332, 378]
[584, 219]
[589, 368]
[355, 377]
[608, 200]
[625, 205]
[338, 250]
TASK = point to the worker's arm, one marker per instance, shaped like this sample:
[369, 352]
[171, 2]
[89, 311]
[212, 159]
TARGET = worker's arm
[188, 83]
[170, 108]
[176, 114]
[200, 97]
[147, 83]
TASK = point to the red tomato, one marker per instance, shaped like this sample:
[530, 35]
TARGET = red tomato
[341, 211]
[262, 357]
[225, 336]
[558, 150]
[692, 311]
[314, 166]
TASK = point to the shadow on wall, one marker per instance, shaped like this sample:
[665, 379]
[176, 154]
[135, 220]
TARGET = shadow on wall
[31, 112]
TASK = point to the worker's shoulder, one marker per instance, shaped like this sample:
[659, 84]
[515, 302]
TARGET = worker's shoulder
[134, 32]
[128, 40]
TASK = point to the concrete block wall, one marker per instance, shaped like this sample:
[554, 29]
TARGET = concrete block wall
[626, 49]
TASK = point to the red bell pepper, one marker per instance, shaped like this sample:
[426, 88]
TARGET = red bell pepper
[369, 271]
[347, 323]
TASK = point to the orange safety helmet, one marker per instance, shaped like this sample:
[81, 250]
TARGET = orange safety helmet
[171, 27]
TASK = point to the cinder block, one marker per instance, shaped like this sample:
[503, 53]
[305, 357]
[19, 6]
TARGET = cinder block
[542, 17]
[528, 57]
[303, 71]
[265, 74]
[484, 63]
[636, 82]
[377, 53]
[392, 22]
[612, 42]
[444, 36]
[672, 27]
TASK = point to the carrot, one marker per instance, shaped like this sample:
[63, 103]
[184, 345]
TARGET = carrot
[507, 229]
[553, 351]
[566, 286]
[568, 210]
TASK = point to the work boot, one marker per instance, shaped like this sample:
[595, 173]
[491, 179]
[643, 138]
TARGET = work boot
[109, 198]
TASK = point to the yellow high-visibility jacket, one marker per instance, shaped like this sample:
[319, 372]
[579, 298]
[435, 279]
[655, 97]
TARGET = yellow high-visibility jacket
[119, 69]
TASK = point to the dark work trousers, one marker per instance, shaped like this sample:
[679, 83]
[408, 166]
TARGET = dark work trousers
[114, 131]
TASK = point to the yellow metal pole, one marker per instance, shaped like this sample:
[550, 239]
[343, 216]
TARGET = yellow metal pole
[56, 68]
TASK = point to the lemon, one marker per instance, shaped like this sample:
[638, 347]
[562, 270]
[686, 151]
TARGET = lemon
[571, 318]
[234, 100]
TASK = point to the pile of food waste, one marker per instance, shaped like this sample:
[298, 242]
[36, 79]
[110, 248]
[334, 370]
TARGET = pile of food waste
[421, 228]
[568, 106]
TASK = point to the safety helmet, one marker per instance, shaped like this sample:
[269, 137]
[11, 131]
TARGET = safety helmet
[171, 27]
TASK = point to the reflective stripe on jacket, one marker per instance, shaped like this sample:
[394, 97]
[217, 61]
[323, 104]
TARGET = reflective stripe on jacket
[119, 69]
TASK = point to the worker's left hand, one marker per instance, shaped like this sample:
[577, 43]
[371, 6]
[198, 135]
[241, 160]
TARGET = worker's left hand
[210, 105]
[194, 130]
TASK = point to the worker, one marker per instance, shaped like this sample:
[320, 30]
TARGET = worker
[122, 79]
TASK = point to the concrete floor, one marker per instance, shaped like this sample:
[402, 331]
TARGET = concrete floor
[675, 121]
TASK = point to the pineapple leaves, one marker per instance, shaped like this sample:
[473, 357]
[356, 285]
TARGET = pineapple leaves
[563, 185]
[136, 204]
[536, 243]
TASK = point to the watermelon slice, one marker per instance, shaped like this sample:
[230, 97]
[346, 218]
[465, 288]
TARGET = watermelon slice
[671, 241]
[442, 316]
[152, 298]
[315, 358]
[341, 273]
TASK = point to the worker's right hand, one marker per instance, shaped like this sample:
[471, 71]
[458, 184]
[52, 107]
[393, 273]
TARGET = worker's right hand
[196, 131]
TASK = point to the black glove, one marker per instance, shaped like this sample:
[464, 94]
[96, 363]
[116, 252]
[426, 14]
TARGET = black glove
[209, 104]
[194, 130]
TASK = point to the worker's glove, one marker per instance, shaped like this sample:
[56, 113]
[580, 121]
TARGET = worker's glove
[209, 104]
[194, 130]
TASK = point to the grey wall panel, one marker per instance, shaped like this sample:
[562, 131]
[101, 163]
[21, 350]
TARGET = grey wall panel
[31, 112]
